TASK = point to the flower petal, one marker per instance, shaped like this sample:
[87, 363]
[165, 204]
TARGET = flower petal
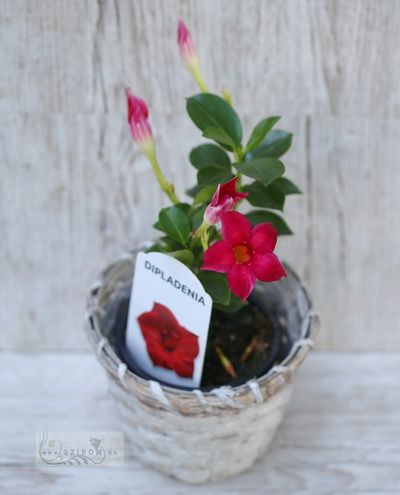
[189, 344]
[182, 367]
[235, 228]
[267, 267]
[212, 215]
[218, 257]
[263, 238]
[137, 108]
[215, 198]
[229, 187]
[241, 280]
[157, 354]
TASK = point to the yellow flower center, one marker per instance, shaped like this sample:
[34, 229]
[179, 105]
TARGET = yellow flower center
[241, 254]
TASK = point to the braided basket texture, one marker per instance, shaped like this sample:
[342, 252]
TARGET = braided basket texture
[199, 436]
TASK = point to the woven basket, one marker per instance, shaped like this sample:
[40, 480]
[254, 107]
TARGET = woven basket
[199, 436]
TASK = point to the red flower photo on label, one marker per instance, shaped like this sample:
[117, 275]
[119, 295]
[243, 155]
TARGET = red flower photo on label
[169, 344]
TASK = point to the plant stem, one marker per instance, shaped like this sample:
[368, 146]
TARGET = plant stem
[202, 234]
[166, 186]
[239, 157]
[200, 82]
[194, 69]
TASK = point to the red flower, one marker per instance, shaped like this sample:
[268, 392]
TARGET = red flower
[245, 254]
[138, 122]
[223, 200]
[169, 344]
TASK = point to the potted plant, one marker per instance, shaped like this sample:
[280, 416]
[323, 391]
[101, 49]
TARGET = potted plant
[261, 322]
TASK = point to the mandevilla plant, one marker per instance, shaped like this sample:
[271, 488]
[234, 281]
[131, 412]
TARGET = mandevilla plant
[226, 249]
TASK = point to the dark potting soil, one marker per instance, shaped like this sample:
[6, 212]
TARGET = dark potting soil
[249, 339]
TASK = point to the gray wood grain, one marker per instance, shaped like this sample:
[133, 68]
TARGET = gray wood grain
[74, 193]
[340, 434]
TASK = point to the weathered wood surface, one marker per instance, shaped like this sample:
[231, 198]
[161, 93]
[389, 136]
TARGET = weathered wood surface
[340, 435]
[74, 193]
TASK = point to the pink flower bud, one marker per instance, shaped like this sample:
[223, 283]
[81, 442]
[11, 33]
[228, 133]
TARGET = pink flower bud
[186, 46]
[138, 122]
[225, 197]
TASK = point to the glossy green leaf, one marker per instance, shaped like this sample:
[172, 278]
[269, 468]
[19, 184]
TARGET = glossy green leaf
[265, 170]
[218, 135]
[185, 207]
[158, 226]
[287, 186]
[211, 111]
[192, 191]
[169, 244]
[183, 255]
[265, 197]
[204, 195]
[197, 217]
[275, 145]
[216, 285]
[260, 131]
[211, 175]
[175, 223]
[261, 216]
[155, 248]
[209, 155]
[234, 305]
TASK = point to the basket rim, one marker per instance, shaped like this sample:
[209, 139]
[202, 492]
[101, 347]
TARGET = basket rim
[259, 388]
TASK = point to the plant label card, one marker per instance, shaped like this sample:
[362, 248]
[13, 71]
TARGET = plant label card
[168, 320]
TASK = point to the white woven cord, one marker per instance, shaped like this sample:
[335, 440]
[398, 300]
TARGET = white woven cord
[279, 368]
[255, 388]
[158, 393]
[96, 285]
[201, 398]
[100, 346]
[227, 396]
[122, 369]
[126, 257]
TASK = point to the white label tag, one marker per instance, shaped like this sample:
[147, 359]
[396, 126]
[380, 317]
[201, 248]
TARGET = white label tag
[169, 316]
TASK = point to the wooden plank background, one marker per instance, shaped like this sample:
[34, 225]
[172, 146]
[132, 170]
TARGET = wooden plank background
[74, 193]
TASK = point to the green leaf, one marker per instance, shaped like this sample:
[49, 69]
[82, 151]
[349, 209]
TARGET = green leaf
[155, 248]
[185, 207]
[194, 190]
[197, 217]
[158, 226]
[175, 223]
[169, 244]
[183, 255]
[265, 197]
[209, 110]
[287, 186]
[204, 195]
[234, 305]
[260, 216]
[209, 155]
[275, 145]
[218, 135]
[260, 131]
[265, 170]
[216, 285]
[212, 175]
